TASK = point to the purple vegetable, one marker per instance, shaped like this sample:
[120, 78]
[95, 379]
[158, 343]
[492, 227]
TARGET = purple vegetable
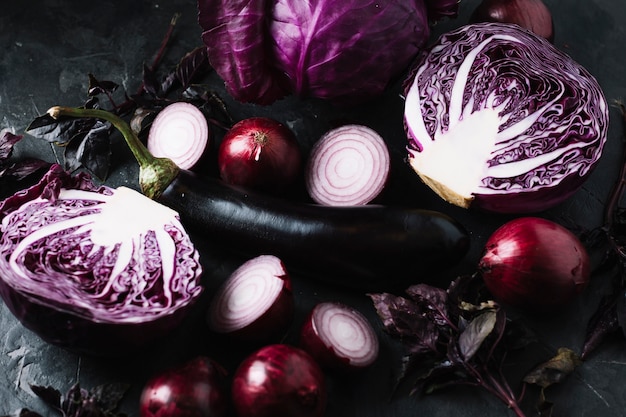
[255, 303]
[197, 388]
[501, 120]
[534, 264]
[342, 51]
[279, 380]
[95, 270]
[339, 337]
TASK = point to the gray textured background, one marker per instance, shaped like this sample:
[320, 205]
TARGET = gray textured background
[50, 45]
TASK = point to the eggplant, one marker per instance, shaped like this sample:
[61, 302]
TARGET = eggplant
[365, 247]
[368, 247]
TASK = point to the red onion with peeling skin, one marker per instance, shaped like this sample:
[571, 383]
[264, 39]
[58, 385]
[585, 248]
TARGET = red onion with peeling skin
[279, 380]
[180, 132]
[260, 153]
[348, 166]
[534, 264]
[255, 303]
[339, 337]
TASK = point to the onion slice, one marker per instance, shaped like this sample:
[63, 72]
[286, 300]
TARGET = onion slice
[339, 337]
[179, 132]
[348, 166]
[255, 303]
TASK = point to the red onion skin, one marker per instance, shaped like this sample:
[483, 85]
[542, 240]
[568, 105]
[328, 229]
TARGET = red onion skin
[323, 354]
[260, 153]
[197, 388]
[279, 380]
[533, 15]
[534, 264]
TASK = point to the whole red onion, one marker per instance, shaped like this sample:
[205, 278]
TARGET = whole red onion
[197, 388]
[279, 380]
[535, 264]
[260, 153]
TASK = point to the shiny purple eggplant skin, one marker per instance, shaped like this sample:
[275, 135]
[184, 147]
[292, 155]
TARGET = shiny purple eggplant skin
[364, 247]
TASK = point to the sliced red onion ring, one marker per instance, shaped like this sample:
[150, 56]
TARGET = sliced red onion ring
[179, 132]
[349, 165]
[255, 303]
[339, 337]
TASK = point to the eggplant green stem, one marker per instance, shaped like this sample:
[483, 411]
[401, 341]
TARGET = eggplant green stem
[155, 174]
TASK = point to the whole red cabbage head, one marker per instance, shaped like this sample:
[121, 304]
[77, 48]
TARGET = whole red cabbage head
[343, 51]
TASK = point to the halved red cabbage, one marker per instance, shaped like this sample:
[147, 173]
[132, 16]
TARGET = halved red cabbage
[500, 119]
[95, 269]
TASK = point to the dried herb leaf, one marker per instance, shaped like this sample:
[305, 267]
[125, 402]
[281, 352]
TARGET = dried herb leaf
[544, 407]
[555, 369]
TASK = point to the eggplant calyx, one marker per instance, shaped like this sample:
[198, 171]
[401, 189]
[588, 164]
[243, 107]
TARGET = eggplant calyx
[155, 174]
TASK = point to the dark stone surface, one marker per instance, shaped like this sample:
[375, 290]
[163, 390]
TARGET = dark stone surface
[49, 46]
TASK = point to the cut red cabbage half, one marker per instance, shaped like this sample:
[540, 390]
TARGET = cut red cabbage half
[343, 51]
[501, 120]
[95, 270]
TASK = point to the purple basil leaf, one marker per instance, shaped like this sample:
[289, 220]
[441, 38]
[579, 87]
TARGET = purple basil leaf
[192, 66]
[24, 412]
[49, 395]
[23, 168]
[94, 150]
[478, 329]
[60, 131]
[7, 141]
[235, 32]
[150, 83]
[605, 321]
[403, 318]
[109, 396]
[97, 87]
[432, 299]
[426, 371]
